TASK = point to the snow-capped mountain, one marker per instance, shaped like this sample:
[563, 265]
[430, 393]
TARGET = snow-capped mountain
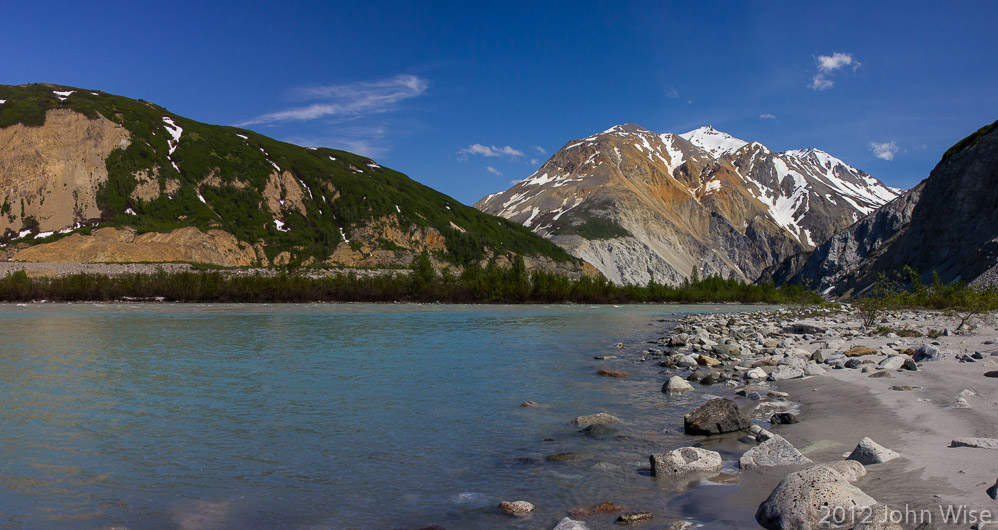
[645, 206]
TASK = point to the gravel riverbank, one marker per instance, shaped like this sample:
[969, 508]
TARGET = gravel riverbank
[850, 427]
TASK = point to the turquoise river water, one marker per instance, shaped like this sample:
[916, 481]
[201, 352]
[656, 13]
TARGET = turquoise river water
[162, 416]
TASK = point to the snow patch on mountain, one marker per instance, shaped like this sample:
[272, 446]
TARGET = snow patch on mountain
[715, 142]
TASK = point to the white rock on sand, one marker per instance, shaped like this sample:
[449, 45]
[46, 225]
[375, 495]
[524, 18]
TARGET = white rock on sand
[685, 460]
[870, 452]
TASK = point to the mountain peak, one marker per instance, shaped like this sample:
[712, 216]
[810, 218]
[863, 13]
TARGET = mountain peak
[628, 128]
[715, 142]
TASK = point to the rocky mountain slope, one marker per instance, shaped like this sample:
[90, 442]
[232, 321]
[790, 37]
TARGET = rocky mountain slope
[645, 206]
[947, 224]
[88, 176]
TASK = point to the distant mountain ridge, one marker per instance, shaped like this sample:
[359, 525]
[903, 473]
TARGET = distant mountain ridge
[91, 176]
[947, 224]
[644, 206]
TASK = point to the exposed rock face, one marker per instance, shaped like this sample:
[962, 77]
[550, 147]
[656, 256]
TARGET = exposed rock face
[73, 160]
[947, 224]
[642, 206]
[52, 173]
[849, 250]
[112, 245]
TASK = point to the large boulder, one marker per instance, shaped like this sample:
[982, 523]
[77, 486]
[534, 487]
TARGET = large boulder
[803, 499]
[717, 416]
[870, 452]
[685, 460]
[776, 451]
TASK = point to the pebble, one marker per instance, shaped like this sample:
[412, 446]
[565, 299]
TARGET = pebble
[633, 517]
[516, 508]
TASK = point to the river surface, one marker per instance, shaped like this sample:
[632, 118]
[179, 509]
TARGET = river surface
[172, 416]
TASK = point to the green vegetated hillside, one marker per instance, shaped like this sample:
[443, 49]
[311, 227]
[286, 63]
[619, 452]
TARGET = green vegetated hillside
[280, 198]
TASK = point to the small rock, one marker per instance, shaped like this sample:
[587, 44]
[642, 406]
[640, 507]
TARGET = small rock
[676, 385]
[571, 524]
[686, 361]
[880, 374]
[818, 357]
[853, 363]
[516, 508]
[909, 364]
[633, 517]
[813, 369]
[592, 419]
[993, 491]
[599, 430]
[774, 451]
[894, 362]
[982, 443]
[529, 404]
[731, 350]
[783, 418]
[870, 452]
[754, 396]
[978, 355]
[756, 373]
[613, 373]
[589, 511]
[685, 460]
[903, 388]
[706, 360]
[777, 394]
[992, 373]
[604, 357]
[804, 329]
[859, 351]
[710, 379]
[927, 352]
[717, 416]
[764, 362]
[867, 369]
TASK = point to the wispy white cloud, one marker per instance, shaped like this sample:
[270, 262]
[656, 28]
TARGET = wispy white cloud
[767, 117]
[514, 182]
[367, 141]
[493, 170]
[672, 93]
[819, 82]
[349, 100]
[884, 150]
[487, 150]
[835, 61]
[829, 64]
[534, 161]
[540, 150]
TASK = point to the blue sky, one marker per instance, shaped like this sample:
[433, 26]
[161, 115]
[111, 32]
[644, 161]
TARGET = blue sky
[467, 98]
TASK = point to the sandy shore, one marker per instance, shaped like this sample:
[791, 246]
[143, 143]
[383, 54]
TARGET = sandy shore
[843, 405]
